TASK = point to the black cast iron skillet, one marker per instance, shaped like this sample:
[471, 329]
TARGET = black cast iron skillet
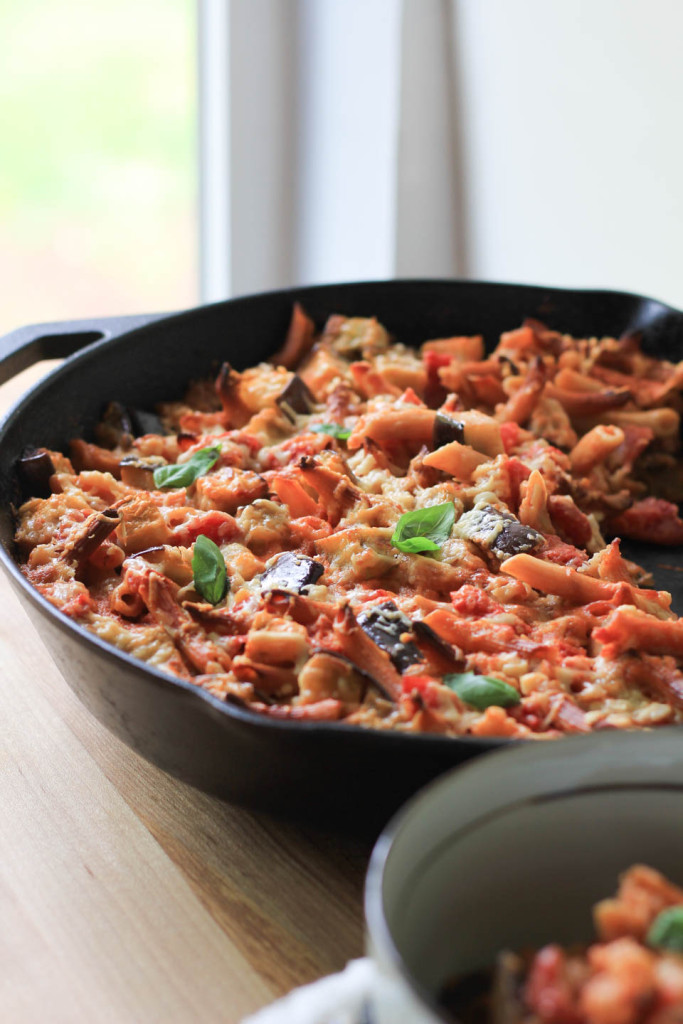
[325, 772]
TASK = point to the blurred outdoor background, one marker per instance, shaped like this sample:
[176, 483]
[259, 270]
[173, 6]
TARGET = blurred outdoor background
[161, 153]
[98, 181]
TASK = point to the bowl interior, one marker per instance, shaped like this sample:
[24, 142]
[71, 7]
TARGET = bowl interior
[530, 875]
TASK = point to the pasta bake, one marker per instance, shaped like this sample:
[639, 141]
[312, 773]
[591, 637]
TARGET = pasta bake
[422, 539]
[633, 974]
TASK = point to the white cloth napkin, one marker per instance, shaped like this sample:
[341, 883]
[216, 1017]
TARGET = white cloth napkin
[360, 994]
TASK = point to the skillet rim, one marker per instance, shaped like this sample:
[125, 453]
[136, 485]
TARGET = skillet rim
[213, 705]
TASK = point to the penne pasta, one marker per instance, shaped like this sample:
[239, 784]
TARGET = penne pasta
[533, 509]
[459, 460]
[630, 629]
[664, 423]
[465, 349]
[595, 446]
[550, 578]
[411, 424]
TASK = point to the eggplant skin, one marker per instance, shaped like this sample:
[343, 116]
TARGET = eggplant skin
[499, 532]
[120, 424]
[144, 422]
[35, 468]
[296, 398]
[446, 430]
[292, 572]
[386, 625]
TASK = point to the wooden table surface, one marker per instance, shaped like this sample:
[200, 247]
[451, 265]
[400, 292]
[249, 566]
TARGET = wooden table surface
[128, 896]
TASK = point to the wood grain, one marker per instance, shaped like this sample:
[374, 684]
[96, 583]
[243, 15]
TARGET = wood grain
[126, 895]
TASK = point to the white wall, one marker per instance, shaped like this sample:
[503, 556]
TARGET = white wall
[570, 115]
[347, 125]
[515, 140]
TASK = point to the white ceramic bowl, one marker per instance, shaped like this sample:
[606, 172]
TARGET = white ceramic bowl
[514, 849]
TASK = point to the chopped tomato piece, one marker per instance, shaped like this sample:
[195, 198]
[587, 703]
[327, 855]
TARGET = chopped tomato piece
[653, 520]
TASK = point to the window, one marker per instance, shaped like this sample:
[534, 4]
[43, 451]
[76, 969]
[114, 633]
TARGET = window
[98, 173]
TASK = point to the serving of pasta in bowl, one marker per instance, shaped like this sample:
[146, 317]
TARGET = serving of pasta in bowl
[538, 884]
[369, 529]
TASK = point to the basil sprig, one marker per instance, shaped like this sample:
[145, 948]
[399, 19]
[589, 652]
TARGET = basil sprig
[208, 570]
[424, 529]
[482, 691]
[666, 931]
[333, 429]
[182, 474]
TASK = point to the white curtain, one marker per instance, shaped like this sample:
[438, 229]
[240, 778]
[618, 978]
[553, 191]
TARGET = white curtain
[361, 139]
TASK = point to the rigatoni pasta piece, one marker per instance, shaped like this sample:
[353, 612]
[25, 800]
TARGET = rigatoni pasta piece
[550, 578]
[522, 340]
[235, 412]
[464, 349]
[533, 509]
[478, 635]
[142, 525]
[630, 629]
[203, 653]
[394, 423]
[298, 341]
[278, 642]
[482, 432]
[524, 399]
[323, 371]
[291, 493]
[571, 380]
[664, 423]
[320, 711]
[336, 493]
[91, 456]
[590, 403]
[403, 374]
[228, 488]
[579, 587]
[460, 460]
[370, 382]
[595, 446]
[84, 540]
[357, 646]
[328, 675]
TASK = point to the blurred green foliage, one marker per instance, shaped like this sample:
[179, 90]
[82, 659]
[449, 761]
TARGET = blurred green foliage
[97, 123]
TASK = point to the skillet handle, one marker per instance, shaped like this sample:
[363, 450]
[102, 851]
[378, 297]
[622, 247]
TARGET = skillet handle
[28, 345]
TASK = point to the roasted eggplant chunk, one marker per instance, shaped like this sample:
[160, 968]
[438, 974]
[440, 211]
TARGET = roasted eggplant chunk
[292, 572]
[35, 469]
[120, 424]
[391, 630]
[497, 531]
[296, 399]
[144, 422]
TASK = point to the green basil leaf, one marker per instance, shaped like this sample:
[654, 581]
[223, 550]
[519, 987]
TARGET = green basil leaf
[182, 474]
[416, 544]
[424, 529]
[333, 429]
[482, 691]
[208, 569]
[666, 931]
